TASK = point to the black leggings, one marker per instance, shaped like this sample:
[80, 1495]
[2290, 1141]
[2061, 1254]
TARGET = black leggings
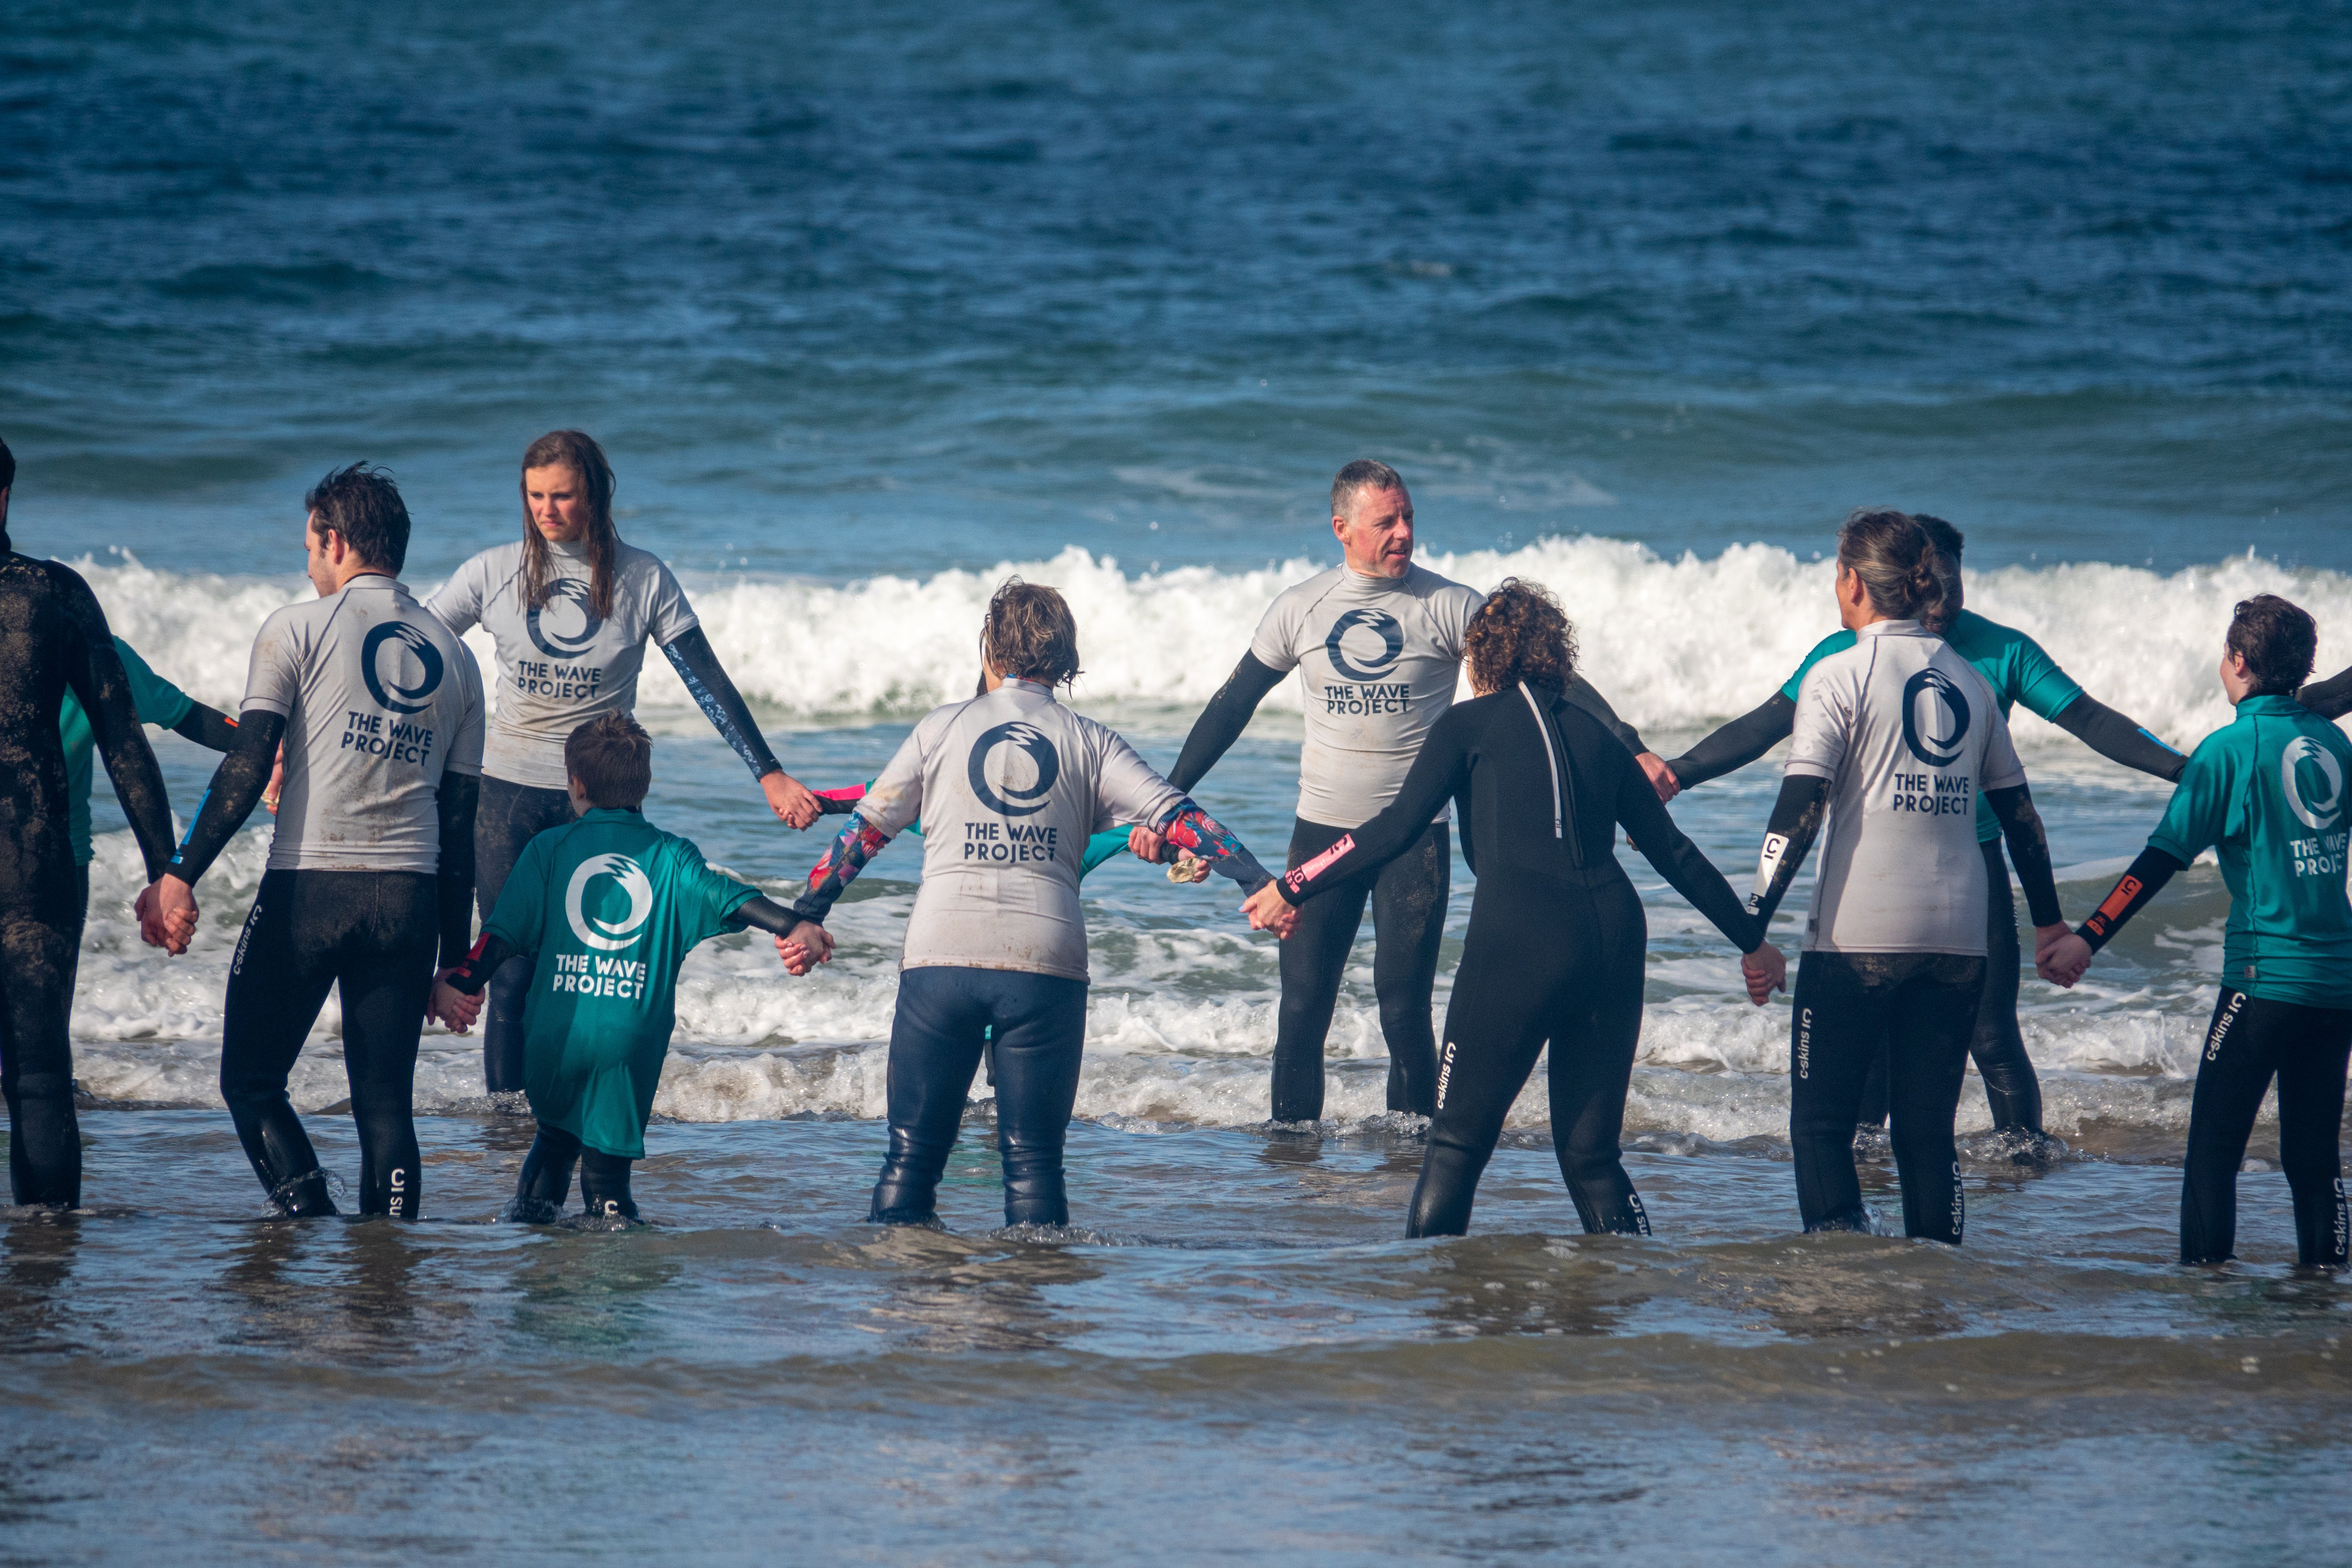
[1547, 959]
[374, 935]
[509, 816]
[38, 951]
[2011, 1088]
[2252, 1040]
[1040, 1024]
[546, 1179]
[1922, 1007]
[1408, 899]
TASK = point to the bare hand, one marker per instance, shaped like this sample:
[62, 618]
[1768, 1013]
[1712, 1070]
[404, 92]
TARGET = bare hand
[1766, 971]
[805, 947]
[1661, 777]
[1269, 910]
[791, 800]
[2063, 962]
[2049, 936]
[455, 1010]
[167, 914]
[1187, 868]
[277, 780]
[1146, 846]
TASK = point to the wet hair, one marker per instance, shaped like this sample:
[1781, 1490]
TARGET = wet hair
[1519, 634]
[1896, 561]
[576, 451]
[2278, 640]
[613, 758]
[1363, 474]
[1030, 634]
[1949, 541]
[363, 505]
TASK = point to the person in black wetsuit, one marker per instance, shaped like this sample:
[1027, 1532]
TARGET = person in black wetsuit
[1557, 933]
[2018, 671]
[372, 864]
[1377, 643]
[53, 640]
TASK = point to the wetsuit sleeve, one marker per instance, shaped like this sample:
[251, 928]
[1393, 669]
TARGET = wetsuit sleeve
[1441, 771]
[94, 672]
[1221, 724]
[846, 855]
[1666, 847]
[2029, 851]
[1579, 691]
[207, 727]
[698, 667]
[474, 971]
[1788, 839]
[454, 803]
[2330, 698]
[230, 798]
[1190, 827]
[1740, 743]
[762, 914]
[2119, 740]
[2146, 877]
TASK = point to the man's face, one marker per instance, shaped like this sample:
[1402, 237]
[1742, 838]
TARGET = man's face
[558, 499]
[1376, 532]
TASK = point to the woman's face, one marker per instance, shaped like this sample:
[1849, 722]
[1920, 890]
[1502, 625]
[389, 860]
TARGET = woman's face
[557, 500]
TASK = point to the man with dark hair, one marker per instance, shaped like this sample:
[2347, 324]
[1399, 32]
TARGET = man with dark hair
[1377, 642]
[380, 708]
[54, 643]
[607, 908]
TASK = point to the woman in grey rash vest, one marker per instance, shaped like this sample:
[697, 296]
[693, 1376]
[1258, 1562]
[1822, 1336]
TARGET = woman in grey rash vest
[1896, 739]
[53, 642]
[2014, 666]
[2266, 792]
[1009, 786]
[372, 861]
[571, 607]
[1557, 933]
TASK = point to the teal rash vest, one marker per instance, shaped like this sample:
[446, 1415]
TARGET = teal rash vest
[608, 906]
[159, 702]
[2265, 793]
[2012, 664]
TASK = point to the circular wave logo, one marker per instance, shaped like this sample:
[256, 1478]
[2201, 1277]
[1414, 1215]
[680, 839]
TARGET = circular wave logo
[1005, 797]
[1935, 718]
[1380, 624]
[2314, 783]
[569, 591]
[388, 691]
[608, 936]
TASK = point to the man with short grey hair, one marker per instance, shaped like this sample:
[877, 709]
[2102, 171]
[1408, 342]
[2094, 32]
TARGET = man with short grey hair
[1377, 642]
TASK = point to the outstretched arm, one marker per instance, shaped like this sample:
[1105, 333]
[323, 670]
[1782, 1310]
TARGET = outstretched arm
[2117, 739]
[1664, 844]
[460, 793]
[1439, 773]
[705, 680]
[2330, 698]
[207, 727]
[2063, 961]
[94, 670]
[1654, 767]
[2028, 851]
[1190, 828]
[857, 844]
[1788, 839]
[1738, 742]
[1221, 724]
[230, 798]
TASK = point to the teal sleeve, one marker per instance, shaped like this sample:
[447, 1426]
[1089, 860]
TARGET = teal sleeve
[2036, 682]
[2199, 815]
[1836, 642]
[706, 896]
[519, 919]
[159, 701]
[1102, 847]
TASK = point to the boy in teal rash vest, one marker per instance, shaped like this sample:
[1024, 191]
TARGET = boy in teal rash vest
[2267, 793]
[608, 907]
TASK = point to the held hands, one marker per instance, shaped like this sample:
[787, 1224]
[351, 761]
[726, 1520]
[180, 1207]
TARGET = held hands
[2060, 957]
[1661, 777]
[1187, 868]
[1269, 910]
[455, 1010]
[1766, 971]
[805, 947]
[791, 800]
[167, 914]
[1146, 846]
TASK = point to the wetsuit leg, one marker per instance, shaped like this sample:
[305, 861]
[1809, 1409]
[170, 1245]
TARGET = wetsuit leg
[1408, 924]
[80, 924]
[1873, 1092]
[2311, 1114]
[1932, 1014]
[935, 1040]
[2011, 1086]
[509, 816]
[384, 969]
[285, 961]
[1592, 1065]
[546, 1179]
[605, 1183]
[2250, 1039]
[1839, 1022]
[38, 950]
[1313, 960]
[1040, 1023]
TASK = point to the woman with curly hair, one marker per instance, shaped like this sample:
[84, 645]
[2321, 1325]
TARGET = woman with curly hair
[1557, 934]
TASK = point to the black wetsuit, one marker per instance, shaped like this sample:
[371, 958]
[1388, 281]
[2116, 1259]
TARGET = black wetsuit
[1556, 940]
[53, 637]
[1407, 893]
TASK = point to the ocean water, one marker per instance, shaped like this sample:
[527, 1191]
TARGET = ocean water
[873, 309]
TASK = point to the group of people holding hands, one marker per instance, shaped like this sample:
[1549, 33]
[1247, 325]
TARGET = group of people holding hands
[403, 809]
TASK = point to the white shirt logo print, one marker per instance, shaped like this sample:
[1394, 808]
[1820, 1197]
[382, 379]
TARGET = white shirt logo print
[609, 936]
[2325, 812]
